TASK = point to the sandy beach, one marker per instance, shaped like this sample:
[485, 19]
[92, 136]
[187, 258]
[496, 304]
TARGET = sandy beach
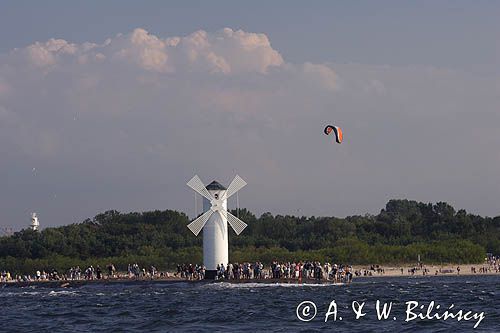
[426, 270]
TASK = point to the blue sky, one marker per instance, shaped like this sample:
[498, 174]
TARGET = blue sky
[116, 104]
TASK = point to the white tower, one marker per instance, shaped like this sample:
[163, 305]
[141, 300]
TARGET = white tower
[34, 222]
[214, 221]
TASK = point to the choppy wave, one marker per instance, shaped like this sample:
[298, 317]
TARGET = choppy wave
[63, 293]
[248, 285]
[228, 307]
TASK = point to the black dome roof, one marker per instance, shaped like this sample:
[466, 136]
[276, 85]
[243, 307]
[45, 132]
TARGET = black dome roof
[215, 185]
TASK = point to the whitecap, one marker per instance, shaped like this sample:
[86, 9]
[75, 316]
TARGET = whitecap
[250, 285]
[62, 292]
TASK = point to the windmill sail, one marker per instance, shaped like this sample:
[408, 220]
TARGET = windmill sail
[235, 223]
[237, 184]
[199, 223]
[196, 184]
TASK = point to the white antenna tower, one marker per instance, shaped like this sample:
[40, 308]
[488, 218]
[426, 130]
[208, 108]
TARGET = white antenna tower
[34, 222]
[214, 221]
[195, 206]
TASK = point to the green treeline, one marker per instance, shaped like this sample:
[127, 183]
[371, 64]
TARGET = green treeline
[398, 234]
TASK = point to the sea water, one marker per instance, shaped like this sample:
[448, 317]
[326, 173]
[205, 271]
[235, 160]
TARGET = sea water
[257, 307]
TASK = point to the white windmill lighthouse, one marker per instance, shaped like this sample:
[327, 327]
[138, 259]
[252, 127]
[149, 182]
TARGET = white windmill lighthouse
[35, 224]
[214, 221]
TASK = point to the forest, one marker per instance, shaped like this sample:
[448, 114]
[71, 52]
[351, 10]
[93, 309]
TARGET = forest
[401, 232]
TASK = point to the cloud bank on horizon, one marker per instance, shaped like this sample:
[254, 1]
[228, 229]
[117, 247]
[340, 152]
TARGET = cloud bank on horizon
[124, 123]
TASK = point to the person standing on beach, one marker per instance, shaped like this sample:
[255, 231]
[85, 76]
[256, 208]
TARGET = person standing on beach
[110, 270]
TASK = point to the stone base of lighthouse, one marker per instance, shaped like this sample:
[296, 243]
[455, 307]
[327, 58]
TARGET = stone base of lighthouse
[210, 274]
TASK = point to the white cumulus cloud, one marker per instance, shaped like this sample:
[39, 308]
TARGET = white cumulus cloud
[225, 51]
[125, 122]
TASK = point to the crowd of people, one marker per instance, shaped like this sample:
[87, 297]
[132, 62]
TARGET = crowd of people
[307, 270]
[374, 269]
[493, 261]
[492, 264]
[89, 273]
[277, 270]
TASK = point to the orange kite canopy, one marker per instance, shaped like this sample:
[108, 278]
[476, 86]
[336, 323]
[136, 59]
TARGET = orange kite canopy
[335, 129]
